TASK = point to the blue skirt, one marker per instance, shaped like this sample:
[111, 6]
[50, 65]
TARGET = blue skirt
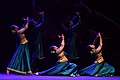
[61, 68]
[98, 69]
[20, 62]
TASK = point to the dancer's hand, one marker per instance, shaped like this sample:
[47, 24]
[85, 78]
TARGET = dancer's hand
[98, 35]
[62, 36]
[41, 13]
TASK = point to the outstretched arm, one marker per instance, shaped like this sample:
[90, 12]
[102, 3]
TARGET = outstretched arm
[77, 15]
[100, 43]
[79, 20]
[25, 26]
[73, 18]
[40, 20]
[62, 44]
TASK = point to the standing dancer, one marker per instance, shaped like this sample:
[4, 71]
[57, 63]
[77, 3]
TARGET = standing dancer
[37, 42]
[99, 67]
[71, 37]
[20, 62]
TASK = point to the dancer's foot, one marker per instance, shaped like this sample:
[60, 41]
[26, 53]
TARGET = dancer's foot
[36, 73]
[8, 72]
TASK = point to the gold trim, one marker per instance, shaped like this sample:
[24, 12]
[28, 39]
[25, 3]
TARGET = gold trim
[17, 71]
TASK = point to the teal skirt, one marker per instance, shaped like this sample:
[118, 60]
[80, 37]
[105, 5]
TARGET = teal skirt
[20, 62]
[61, 68]
[98, 69]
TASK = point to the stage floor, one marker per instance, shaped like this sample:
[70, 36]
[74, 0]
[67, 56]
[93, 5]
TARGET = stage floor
[34, 77]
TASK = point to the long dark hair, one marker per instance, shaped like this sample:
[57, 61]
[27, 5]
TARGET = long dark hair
[52, 49]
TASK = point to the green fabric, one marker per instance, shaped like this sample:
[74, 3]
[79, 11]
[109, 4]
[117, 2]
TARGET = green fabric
[71, 44]
[20, 62]
[61, 68]
[38, 52]
[98, 69]
[37, 40]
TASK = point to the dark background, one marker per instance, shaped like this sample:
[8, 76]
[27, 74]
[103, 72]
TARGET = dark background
[97, 15]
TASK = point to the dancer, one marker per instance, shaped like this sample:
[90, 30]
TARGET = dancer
[37, 43]
[99, 67]
[20, 62]
[63, 66]
[71, 37]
